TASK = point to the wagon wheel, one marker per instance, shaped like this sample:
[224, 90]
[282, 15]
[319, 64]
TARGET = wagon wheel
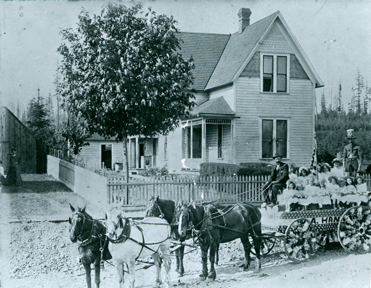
[354, 230]
[266, 245]
[300, 240]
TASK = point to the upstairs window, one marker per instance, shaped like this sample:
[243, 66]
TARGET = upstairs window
[275, 73]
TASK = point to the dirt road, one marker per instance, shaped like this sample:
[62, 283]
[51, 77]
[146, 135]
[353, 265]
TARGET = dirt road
[37, 253]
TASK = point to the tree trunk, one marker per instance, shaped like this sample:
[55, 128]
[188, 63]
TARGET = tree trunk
[126, 165]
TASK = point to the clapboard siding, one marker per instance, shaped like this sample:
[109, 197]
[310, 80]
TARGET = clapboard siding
[91, 155]
[297, 107]
[212, 144]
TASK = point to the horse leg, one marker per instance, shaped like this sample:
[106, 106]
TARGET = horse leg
[120, 270]
[156, 257]
[217, 254]
[131, 272]
[167, 263]
[247, 247]
[204, 250]
[87, 268]
[213, 248]
[97, 271]
[257, 245]
[179, 260]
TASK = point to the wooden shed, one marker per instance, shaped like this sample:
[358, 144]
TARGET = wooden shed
[14, 134]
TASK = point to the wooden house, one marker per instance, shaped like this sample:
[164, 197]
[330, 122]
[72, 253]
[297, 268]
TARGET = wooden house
[255, 91]
[255, 95]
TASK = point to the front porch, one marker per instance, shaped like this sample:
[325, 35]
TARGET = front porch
[207, 136]
[142, 152]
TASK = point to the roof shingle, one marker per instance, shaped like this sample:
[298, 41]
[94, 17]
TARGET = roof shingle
[206, 50]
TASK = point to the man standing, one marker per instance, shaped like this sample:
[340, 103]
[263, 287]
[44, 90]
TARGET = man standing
[352, 156]
[276, 182]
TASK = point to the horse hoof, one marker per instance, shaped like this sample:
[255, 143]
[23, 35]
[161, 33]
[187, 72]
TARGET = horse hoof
[211, 276]
[202, 277]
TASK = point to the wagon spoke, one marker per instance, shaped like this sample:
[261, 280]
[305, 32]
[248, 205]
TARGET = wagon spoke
[354, 230]
[300, 240]
[266, 245]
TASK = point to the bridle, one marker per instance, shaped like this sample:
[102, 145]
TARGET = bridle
[80, 230]
[154, 206]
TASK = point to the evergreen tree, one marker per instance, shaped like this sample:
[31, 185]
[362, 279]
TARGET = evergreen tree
[38, 120]
[323, 104]
[357, 92]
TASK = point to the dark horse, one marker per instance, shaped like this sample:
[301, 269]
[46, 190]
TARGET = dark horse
[93, 242]
[220, 223]
[167, 209]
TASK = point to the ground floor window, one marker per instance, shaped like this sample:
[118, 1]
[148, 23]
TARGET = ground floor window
[274, 137]
[193, 141]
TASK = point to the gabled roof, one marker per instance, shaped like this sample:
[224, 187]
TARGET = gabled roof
[205, 49]
[220, 59]
[215, 106]
[239, 47]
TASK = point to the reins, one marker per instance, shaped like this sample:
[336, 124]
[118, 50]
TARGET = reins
[207, 223]
[123, 238]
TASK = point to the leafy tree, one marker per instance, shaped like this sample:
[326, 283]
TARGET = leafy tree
[123, 73]
[76, 134]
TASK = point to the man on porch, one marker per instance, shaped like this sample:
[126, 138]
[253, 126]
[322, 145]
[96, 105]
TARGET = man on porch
[276, 182]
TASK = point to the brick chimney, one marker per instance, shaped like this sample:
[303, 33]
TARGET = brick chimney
[244, 18]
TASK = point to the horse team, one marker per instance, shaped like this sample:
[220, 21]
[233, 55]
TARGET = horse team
[165, 223]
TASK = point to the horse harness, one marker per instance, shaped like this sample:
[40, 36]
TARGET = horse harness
[208, 224]
[125, 235]
[94, 234]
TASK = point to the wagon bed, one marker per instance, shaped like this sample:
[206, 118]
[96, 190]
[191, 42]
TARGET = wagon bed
[304, 231]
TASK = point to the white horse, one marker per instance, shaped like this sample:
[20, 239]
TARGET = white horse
[131, 240]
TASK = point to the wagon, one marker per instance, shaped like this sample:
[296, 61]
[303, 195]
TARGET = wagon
[303, 232]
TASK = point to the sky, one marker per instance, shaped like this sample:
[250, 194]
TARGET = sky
[335, 35]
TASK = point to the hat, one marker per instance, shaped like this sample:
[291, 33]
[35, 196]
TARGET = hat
[336, 160]
[326, 164]
[350, 134]
[333, 177]
[277, 155]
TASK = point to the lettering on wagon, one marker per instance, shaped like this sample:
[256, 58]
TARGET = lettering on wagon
[325, 220]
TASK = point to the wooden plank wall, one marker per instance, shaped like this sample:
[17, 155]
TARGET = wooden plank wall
[14, 134]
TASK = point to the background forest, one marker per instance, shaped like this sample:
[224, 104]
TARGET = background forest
[333, 121]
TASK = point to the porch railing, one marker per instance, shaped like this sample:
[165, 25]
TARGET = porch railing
[199, 189]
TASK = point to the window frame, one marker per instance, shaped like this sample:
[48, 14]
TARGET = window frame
[275, 73]
[193, 148]
[274, 119]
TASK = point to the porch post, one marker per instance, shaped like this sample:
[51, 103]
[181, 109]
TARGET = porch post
[233, 142]
[203, 140]
[130, 158]
[137, 152]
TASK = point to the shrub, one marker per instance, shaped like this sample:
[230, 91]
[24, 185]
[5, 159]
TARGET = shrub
[218, 169]
[225, 169]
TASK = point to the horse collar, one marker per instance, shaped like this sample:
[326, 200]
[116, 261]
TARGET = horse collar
[88, 240]
[125, 233]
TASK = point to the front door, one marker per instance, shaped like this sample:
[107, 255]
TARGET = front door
[106, 155]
